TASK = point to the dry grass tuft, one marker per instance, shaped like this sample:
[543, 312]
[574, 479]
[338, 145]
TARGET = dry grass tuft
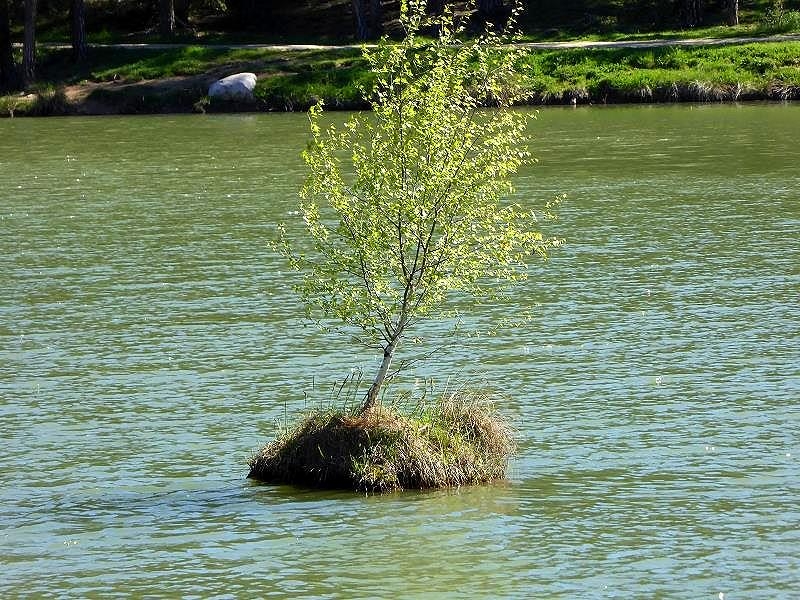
[458, 440]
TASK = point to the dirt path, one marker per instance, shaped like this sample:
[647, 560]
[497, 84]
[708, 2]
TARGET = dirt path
[654, 43]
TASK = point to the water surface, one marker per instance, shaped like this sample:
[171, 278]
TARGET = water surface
[149, 341]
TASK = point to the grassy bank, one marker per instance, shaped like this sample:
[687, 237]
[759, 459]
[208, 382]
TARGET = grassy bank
[143, 80]
[668, 74]
[458, 440]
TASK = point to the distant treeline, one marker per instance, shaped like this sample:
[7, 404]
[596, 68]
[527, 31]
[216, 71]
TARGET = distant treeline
[332, 21]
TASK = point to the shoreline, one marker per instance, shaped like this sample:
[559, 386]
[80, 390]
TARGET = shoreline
[130, 80]
[47, 107]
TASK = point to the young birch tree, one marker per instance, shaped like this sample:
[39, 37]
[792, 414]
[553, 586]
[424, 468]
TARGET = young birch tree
[416, 217]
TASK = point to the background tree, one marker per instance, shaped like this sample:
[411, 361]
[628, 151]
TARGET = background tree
[77, 19]
[436, 6]
[166, 17]
[733, 11]
[491, 8]
[691, 13]
[8, 70]
[182, 13]
[420, 218]
[368, 16]
[376, 16]
[360, 16]
[29, 43]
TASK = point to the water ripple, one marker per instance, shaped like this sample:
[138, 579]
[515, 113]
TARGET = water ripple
[149, 341]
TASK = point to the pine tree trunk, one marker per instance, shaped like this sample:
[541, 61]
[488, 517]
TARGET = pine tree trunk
[8, 71]
[489, 8]
[691, 13]
[375, 18]
[78, 20]
[360, 16]
[166, 17]
[733, 12]
[29, 43]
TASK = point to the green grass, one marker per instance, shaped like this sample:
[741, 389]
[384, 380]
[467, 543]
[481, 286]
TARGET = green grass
[339, 83]
[138, 64]
[778, 19]
[189, 60]
[662, 74]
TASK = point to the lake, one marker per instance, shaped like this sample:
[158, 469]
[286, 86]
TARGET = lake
[150, 342]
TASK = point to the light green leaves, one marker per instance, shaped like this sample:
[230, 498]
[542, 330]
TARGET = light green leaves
[403, 206]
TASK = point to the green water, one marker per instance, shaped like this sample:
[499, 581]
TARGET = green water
[149, 342]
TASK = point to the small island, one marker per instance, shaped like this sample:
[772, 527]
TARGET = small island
[405, 210]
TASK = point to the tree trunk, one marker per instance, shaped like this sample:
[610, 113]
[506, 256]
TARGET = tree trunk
[435, 7]
[490, 8]
[166, 17]
[8, 71]
[29, 43]
[78, 20]
[375, 18]
[375, 389]
[691, 12]
[494, 11]
[182, 13]
[732, 8]
[360, 16]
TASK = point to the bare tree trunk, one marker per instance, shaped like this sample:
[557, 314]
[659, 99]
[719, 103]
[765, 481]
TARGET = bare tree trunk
[375, 389]
[166, 17]
[732, 7]
[360, 16]
[8, 70]
[29, 43]
[78, 20]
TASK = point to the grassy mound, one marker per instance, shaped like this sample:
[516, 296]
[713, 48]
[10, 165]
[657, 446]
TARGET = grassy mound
[459, 440]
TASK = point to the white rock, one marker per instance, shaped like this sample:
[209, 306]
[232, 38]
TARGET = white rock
[234, 87]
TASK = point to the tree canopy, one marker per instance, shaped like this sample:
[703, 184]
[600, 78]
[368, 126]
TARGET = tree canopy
[403, 206]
